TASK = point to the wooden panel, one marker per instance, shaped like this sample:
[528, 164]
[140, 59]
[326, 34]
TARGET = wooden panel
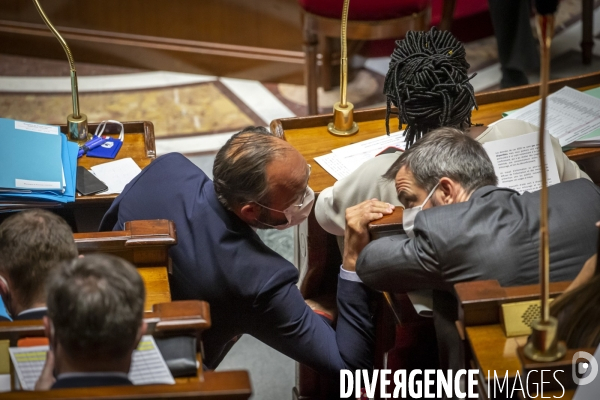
[232, 385]
[156, 281]
[232, 37]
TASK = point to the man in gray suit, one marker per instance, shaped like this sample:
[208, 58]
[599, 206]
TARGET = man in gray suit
[468, 228]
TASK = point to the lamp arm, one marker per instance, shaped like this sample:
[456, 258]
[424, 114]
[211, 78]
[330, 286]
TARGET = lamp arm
[63, 43]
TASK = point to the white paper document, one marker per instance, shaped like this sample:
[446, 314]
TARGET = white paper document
[116, 174]
[147, 366]
[570, 114]
[516, 162]
[342, 161]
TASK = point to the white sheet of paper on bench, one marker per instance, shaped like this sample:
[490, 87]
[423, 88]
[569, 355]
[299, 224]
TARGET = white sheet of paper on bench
[116, 174]
[342, 161]
[516, 162]
[147, 366]
[570, 115]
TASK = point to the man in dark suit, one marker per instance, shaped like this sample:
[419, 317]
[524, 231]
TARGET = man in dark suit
[260, 181]
[32, 244]
[94, 322]
[468, 228]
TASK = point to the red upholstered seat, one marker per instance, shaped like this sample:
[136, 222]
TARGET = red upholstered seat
[364, 10]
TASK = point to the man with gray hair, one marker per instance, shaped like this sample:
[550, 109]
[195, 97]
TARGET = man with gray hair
[94, 322]
[260, 181]
[460, 227]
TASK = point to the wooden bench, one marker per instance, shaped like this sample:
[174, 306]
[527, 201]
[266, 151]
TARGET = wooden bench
[143, 243]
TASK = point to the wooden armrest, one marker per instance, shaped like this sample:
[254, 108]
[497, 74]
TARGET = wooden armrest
[181, 315]
[136, 233]
[388, 225]
[325, 305]
[175, 317]
[232, 385]
[479, 300]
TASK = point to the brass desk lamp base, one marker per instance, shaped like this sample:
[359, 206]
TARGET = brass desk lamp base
[542, 345]
[343, 120]
[78, 128]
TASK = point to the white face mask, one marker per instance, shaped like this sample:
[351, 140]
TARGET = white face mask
[296, 213]
[409, 215]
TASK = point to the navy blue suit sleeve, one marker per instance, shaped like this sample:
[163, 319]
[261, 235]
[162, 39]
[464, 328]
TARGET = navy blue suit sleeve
[283, 321]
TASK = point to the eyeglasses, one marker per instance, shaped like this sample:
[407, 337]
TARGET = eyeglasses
[302, 198]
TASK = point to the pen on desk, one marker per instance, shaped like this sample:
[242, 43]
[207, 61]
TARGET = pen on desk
[90, 144]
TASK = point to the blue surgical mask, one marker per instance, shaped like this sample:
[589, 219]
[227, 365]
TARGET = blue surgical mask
[409, 215]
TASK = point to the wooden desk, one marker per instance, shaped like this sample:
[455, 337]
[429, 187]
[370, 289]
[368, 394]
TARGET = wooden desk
[310, 137]
[139, 144]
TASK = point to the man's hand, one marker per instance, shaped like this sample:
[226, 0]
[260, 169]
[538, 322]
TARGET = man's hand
[46, 379]
[356, 236]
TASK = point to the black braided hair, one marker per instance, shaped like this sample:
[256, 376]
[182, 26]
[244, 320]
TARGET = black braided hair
[428, 82]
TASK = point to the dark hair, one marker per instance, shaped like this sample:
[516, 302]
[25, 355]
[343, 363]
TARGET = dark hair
[32, 243]
[578, 315]
[239, 171]
[446, 152]
[96, 304]
[428, 82]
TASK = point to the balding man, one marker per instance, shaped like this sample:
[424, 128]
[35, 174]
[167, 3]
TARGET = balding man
[260, 181]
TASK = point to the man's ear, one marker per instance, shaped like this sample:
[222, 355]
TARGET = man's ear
[449, 191]
[141, 332]
[249, 212]
[48, 328]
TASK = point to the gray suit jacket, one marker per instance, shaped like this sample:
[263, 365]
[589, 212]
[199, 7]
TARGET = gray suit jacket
[494, 235]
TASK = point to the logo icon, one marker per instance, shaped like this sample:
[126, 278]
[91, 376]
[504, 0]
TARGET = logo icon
[108, 145]
[584, 372]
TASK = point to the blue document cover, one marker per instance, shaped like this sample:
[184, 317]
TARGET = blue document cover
[30, 157]
[69, 152]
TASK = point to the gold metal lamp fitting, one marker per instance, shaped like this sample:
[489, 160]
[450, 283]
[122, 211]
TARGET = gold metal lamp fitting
[543, 345]
[343, 111]
[77, 122]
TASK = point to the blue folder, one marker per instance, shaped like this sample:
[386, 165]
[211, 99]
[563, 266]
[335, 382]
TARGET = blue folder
[30, 157]
[69, 152]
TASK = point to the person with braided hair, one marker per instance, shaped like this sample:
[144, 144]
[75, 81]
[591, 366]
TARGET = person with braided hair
[429, 84]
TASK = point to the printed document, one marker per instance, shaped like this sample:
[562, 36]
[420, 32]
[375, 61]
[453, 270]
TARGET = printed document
[516, 162]
[342, 161]
[147, 364]
[570, 114]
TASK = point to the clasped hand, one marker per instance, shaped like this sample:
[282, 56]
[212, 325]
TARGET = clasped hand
[356, 236]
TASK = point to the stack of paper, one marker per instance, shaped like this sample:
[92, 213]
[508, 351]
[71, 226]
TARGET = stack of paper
[342, 161]
[38, 166]
[572, 116]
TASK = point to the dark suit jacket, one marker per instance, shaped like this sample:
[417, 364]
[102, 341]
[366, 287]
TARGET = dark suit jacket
[83, 381]
[250, 288]
[494, 235]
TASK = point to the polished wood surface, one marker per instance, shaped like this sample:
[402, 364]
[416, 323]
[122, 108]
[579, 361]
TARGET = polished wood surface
[156, 281]
[230, 385]
[139, 144]
[310, 136]
[143, 243]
